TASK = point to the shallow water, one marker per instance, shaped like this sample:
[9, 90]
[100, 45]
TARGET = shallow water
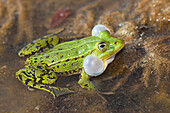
[136, 81]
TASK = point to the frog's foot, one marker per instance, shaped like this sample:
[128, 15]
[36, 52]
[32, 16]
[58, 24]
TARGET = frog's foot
[85, 82]
[55, 91]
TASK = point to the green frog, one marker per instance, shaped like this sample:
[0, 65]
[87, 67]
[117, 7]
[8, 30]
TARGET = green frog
[47, 60]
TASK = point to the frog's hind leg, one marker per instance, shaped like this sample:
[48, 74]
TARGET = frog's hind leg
[39, 44]
[41, 80]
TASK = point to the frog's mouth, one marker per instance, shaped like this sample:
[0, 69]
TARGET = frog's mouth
[108, 61]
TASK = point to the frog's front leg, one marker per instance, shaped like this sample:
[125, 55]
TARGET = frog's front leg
[41, 79]
[85, 82]
[42, 43]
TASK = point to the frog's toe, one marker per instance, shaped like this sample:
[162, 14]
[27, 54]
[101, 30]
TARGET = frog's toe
[88, 85]
[57, 91]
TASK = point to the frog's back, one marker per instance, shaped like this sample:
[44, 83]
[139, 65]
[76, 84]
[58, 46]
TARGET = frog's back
[70, 54]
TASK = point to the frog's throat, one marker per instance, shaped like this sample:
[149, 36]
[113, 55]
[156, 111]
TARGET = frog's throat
[108, 61]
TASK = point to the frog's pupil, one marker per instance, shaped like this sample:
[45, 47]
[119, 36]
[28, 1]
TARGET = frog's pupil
[102, 46]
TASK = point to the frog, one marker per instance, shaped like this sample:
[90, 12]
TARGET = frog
[47, 59]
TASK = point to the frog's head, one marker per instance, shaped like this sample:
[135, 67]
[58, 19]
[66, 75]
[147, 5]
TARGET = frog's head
[105, 50]
[108, 46]
[103, 54]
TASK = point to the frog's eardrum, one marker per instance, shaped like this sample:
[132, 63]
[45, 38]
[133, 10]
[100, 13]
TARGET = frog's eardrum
[93, 65]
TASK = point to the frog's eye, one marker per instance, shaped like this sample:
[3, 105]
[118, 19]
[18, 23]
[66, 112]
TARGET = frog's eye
[93, 65]
[96, 30]
[102, 46]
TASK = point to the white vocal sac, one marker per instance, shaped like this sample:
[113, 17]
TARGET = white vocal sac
[93, 65]
[98, 28]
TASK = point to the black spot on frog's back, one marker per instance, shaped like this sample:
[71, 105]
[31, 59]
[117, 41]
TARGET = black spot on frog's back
[47, 56]
[39, 67]
[61, 56]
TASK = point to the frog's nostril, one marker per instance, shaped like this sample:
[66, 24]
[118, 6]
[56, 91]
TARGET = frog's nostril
[119, 42]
